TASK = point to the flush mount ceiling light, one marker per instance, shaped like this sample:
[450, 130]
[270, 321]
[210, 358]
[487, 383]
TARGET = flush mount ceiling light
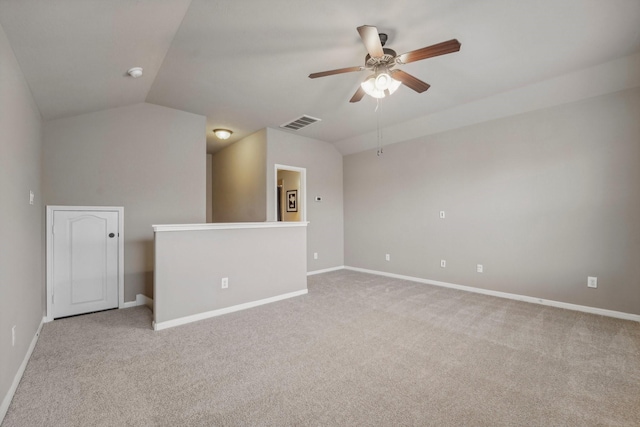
[222, 133]
[135, 72]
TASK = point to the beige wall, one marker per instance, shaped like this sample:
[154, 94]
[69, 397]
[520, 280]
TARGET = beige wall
[147, 158]
[542, 200]
[209, 188]
[245, 187]
[290, 181]
[324, 178]
[22, 289]
[239, 180]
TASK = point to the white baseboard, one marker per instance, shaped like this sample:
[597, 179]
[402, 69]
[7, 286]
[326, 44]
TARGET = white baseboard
[551, 303]
[140, 300]
[16, 379]
[326, 270]
[144, 300]
[157, 326]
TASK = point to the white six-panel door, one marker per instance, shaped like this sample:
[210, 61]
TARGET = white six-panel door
[83, 261]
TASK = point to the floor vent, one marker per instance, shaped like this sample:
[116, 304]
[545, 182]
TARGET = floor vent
[300, 122]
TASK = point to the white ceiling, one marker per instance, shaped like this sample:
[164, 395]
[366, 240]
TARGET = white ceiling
[244, 63]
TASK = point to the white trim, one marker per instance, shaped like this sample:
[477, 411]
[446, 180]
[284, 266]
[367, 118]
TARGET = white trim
[129, 304]
[6, 402]
[326, 270]
[49, 250]
[208, 314]
[226, 226]
[144, 300]
[302, 198]
[551, 303]
[140, 300]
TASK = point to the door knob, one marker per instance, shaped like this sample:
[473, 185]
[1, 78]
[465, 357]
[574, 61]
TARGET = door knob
[112, 235]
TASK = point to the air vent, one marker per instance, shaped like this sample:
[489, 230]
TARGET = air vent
[300, 122]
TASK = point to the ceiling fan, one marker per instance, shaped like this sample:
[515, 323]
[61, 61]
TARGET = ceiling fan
[381, 61]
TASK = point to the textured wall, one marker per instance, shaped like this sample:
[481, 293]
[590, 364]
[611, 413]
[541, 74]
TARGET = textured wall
[542, 200]
[147, 158]
[22, 289]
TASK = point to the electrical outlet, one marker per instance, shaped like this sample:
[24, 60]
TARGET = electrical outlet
[441, 214]
[387, 257]
[592, 282]
[13, 336]
[479, 268]
[315, 255]
[443, 263]
[225, 282]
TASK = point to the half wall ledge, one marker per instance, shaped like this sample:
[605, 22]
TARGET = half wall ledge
[205, 270]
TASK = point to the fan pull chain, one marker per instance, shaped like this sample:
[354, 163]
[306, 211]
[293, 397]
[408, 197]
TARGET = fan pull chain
[378, 131]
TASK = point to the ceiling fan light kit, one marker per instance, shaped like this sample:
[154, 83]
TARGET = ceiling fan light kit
[380, 85]
[369, 87]
[384, 80]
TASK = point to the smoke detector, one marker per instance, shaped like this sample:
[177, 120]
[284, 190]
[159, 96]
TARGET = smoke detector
[135, 72]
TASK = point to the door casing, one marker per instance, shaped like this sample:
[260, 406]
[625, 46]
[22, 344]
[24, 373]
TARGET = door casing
[302, 197]
[49, 230]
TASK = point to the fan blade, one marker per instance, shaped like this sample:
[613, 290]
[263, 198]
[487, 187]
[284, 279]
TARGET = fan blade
[358, 95]
[410, 81]
[371, 40]
[429, 51]
[332, 72]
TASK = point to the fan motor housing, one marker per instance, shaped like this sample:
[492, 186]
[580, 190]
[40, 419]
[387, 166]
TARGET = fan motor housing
[387, 59]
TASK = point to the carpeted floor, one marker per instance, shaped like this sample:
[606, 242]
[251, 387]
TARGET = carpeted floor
[358, 350]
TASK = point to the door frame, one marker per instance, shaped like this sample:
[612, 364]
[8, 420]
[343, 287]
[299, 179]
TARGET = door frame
[49, 231]
[302, 198]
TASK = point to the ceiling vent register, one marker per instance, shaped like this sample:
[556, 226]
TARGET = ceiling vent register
[300, 122]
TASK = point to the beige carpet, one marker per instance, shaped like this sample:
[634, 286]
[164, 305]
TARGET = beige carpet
[358, 350]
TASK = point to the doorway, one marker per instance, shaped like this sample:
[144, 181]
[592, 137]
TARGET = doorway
[84, 260]
[290, 190]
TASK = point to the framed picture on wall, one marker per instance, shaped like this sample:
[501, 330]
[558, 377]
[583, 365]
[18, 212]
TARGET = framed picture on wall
[292, 201]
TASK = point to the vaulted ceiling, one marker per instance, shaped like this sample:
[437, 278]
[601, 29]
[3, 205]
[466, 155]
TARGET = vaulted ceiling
[244, 64]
